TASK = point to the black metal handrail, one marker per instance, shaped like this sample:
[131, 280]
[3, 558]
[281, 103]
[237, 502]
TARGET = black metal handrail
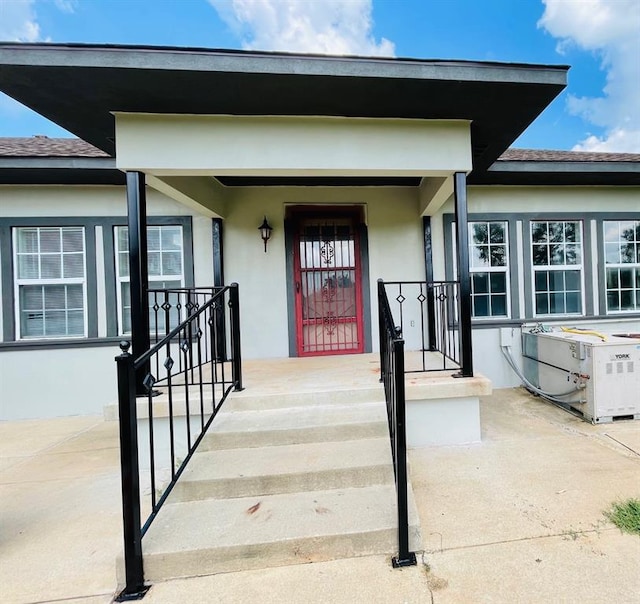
[431, 308]
[193, 367]
[392, 376]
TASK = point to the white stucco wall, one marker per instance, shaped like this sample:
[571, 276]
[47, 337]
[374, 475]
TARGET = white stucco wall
[395, 252]
[290, 145]
[79, 380]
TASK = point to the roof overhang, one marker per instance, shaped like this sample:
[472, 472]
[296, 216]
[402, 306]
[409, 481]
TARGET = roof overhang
[60, 171]
[559, 173]
[79, 86]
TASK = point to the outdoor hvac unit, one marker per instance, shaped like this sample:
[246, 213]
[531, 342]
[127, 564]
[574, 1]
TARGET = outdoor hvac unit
[606, 373]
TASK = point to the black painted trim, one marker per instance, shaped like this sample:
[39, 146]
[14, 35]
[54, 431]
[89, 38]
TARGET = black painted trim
[217, 233]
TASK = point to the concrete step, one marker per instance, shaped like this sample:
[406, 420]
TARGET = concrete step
[286, 469]
[212, 536]
[319, 423]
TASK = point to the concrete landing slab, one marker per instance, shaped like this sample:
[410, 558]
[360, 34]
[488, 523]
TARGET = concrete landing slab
[285, 469]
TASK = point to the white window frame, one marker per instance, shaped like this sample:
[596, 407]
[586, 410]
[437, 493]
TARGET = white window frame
[19, 282]
[120, 279]
[535, 268]
[491, 269]
[620, 265]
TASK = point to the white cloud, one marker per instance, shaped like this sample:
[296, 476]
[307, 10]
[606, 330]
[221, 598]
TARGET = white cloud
[66, 6]
[18, 21]
[338, 27]
[611, 29]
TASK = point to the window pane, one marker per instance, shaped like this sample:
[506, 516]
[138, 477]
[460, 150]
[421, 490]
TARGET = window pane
[75, 323]
[626, 278]
[154, 264]
[479, 256]
[153, 238]
[480, 283]
[123, 265]
[613, 281]
[613, 301]
[496, 232]
[171, 263]
[571, 231]
[539, 232]
[123, 238]
[28, 267]
[499, 305]
[31, 297]
[540, 255]
[612, 253]
[49, 240]
[572, 280]
[171, 238]
[72, 240]
[54, 297]
[27, 240]
[626, 300]
[557, 254]
[31, 324]
[574, 303]
[73, 266]
[498, 282]
[572, 254]
[556, 231]
[556, 303]
[479, 232]
[498, 256]
[51, 267]
[541, 279]
[75, 297]
[542, 304]
[481, 306]
[627, 252]
[556, 281]
[55, 323]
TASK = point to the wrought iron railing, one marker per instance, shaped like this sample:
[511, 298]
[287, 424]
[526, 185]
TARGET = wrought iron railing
[187, 374]
[427, 316]
[392, 376]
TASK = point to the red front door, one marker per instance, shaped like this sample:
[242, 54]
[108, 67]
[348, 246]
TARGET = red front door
[328, 285]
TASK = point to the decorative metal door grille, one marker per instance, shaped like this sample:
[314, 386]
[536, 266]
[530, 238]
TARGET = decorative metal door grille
[328, 293]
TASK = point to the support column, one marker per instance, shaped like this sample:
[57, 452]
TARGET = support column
[218, 281]
[464, 280]
[138, 271]
[428, 265]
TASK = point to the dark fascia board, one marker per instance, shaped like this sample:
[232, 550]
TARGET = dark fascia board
[167, 58]
[59, 171]
[559, 173]
[80, 86]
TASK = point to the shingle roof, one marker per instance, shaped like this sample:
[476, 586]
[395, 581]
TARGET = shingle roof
[542, 155]
[43, 146]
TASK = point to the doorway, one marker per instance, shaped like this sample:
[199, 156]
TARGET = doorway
[327, 281]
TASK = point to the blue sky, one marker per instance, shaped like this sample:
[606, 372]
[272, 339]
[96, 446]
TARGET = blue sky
[600, 39]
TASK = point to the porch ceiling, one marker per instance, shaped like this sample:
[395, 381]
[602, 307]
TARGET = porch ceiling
[79, 86]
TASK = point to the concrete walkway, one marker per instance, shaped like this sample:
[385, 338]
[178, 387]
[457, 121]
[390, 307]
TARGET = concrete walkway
[517, 518]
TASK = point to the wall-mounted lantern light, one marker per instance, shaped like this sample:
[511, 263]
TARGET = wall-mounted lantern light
[265, 232]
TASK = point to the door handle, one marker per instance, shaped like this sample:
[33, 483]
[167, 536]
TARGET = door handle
[297, 287]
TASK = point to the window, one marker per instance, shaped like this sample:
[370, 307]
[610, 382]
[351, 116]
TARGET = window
[50, 270]
[489, 267]
[622, 265]
[165, 265]
[556, 252]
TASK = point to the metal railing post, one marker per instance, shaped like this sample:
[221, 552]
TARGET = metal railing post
[236, 367]
[404, 557]
[130, 477]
